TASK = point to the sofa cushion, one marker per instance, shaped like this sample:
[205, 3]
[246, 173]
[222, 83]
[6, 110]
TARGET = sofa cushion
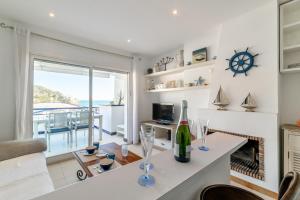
[22, 167]
[27, 188]
[17, 148]
[25, 176]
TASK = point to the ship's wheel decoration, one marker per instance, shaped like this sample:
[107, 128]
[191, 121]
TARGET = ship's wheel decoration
[241, 62]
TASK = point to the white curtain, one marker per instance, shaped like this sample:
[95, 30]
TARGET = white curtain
[135, 113]
[24, 85]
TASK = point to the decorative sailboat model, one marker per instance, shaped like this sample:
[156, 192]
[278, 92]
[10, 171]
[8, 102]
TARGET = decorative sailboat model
[249, 103]
[221, 100]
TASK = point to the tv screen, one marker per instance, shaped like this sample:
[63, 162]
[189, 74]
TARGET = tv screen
[163, 112]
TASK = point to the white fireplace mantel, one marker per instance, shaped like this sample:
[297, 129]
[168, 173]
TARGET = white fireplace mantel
[256, 124]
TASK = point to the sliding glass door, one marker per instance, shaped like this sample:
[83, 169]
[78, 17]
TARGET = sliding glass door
[110, 105]
[75, 106]
[61, 109]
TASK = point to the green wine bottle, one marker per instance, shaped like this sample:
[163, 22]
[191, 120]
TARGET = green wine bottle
[182, 149]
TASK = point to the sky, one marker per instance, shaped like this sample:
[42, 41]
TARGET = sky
[76, 86]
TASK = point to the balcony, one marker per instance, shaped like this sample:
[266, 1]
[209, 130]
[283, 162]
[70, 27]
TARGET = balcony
[61, 97]
[66, 127]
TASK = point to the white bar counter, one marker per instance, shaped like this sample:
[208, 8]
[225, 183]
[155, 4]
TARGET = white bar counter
[174, 180]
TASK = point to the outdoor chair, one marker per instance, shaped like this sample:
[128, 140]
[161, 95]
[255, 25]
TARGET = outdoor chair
[81, 121]
[58, 123]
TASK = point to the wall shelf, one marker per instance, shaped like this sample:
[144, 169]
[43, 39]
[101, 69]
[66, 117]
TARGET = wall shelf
[289, 32]
[291, 70]
[181, 69]
[178, 89]
[291, 26]
[292, 48]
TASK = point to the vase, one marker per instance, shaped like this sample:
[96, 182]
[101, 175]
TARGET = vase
[179, 58]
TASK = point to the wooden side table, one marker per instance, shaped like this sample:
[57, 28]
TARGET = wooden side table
[87, 161]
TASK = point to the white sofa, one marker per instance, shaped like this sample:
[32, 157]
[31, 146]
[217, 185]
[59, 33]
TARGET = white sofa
[24, 175]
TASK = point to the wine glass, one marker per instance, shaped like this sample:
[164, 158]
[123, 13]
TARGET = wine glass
[142, 135]
[146, 179]
[124, 150]
[202, 128]
[193, 129]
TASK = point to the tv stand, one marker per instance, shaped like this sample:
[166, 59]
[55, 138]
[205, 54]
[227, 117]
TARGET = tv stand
[166, 142]
[163, 122]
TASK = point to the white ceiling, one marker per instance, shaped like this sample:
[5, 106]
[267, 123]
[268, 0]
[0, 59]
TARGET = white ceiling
[148, 23]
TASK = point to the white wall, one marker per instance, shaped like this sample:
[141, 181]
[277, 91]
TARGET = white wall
[44, 47]
[257, 29]
[145, 99]
[290, 98]
[262, 81]
[195, 98]
[57, 50]
[142, 109]
[209, 40]
[7, 86]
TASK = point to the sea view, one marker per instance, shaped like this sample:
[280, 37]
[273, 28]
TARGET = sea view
[85, 103]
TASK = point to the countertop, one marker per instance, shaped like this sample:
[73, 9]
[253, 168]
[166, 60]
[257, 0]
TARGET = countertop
[122, 182]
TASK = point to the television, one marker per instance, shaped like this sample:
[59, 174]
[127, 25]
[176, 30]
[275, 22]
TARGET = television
[163, 113]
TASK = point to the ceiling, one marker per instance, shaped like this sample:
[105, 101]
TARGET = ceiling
[149, 24]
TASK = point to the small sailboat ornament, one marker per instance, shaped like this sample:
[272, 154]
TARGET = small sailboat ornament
[249, 103]
[221, 100]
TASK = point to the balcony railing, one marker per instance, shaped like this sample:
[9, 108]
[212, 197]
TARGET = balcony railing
[70, 121]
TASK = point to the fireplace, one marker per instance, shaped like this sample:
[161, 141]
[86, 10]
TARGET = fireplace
[249, 159]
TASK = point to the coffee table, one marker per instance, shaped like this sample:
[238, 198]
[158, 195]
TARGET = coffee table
[86, 162]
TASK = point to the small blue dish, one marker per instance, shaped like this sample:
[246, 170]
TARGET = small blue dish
[203, 148]
[111, 156]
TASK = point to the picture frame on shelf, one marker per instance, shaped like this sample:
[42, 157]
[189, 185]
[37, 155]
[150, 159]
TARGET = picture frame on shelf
[199, 55]
[171, 84]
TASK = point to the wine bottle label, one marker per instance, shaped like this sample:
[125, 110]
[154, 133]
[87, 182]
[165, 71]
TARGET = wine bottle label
[188, 150]
[176, 150]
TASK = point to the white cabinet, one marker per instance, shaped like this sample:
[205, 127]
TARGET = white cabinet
[291, 148]
[162, 139]
[113, 115]
[290, 36]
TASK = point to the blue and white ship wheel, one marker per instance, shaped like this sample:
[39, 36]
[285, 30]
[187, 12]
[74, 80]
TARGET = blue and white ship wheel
[241, 62]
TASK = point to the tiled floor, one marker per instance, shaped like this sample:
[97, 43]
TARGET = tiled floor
[64, 173]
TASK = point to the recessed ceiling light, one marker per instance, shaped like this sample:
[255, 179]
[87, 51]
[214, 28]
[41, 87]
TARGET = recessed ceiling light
[175, 12]
[51, 14]
[129, 40]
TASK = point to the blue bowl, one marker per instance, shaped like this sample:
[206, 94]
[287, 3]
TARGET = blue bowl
[106, 163]
[90, 149]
